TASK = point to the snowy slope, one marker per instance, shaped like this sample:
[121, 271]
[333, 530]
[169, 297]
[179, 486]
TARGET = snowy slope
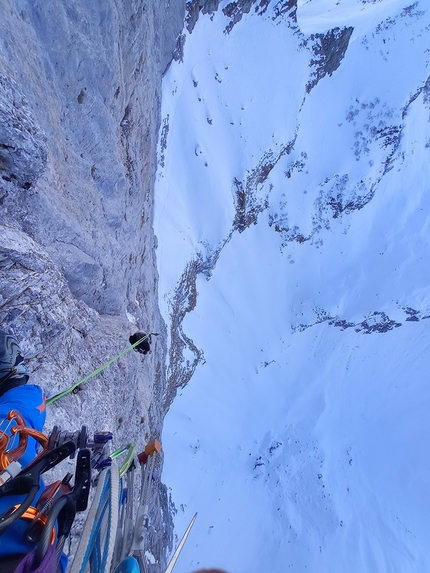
[292, 216]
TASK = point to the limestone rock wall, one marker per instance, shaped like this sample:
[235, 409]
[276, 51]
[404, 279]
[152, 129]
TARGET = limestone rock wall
[80, 86]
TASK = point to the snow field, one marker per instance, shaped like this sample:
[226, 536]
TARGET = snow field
[302, 438]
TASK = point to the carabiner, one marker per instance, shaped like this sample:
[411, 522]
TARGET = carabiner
[6, 457]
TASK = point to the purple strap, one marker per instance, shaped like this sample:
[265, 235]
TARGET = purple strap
[48, 565]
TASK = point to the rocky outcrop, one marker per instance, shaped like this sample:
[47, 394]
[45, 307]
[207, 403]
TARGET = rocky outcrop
[329, 50]
[23, 153]
[80, 90]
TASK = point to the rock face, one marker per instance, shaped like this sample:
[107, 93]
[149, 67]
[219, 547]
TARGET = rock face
[79, 116]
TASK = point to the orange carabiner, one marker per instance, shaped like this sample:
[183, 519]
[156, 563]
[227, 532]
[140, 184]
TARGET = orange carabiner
[4, 440]
[13, 455]
[25, 431]
[31, 514]
[38, 436]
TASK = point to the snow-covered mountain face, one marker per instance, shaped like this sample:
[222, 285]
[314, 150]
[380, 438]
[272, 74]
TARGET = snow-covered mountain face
[292, 216]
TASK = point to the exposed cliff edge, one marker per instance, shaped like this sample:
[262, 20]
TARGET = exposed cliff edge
[80, 89]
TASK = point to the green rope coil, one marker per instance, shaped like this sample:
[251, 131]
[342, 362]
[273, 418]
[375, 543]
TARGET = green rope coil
[70, 390]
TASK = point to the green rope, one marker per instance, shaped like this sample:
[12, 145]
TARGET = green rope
[70, 390]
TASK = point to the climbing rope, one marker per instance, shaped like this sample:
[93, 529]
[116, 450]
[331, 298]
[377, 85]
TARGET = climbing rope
[74, 386]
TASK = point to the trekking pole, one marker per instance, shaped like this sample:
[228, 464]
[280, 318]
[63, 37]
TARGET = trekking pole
[178, 550]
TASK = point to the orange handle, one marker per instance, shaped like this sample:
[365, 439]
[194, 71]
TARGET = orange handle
[153, 447]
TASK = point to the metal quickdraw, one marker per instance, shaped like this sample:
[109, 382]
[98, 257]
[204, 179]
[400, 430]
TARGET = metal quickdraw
[27, 482]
